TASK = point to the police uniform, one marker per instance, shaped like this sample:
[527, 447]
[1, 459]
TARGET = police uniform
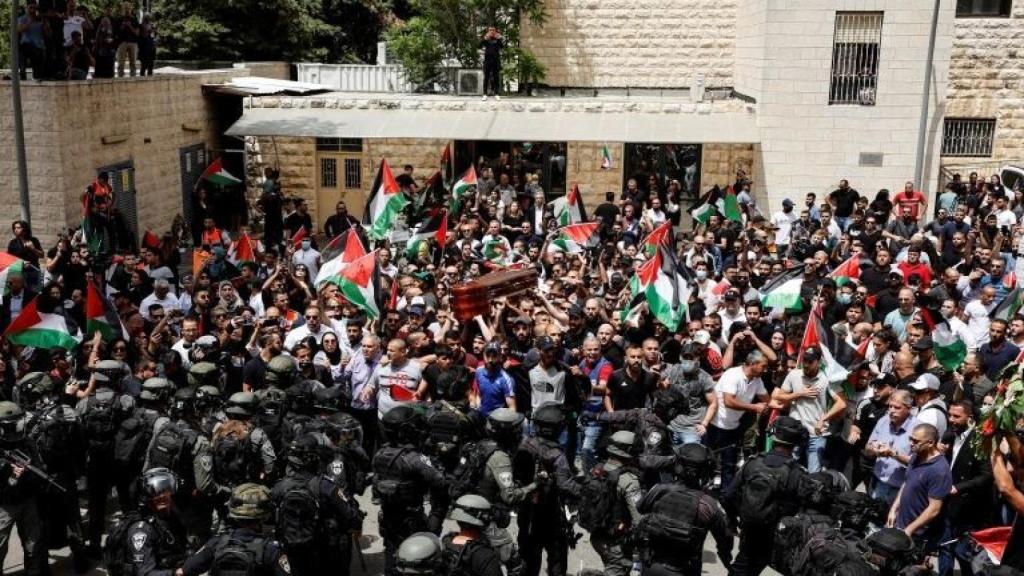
[498, 486]
[702, 512]
[654, 435]
[156, 546]
[267, 555]
[542, 522]
[18, 505]
[473, 558]
[615, 552]
[263, 447]
[58, 433]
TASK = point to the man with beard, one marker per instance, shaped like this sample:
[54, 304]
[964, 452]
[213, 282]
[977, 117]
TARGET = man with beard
[522, 337]
[950, 249]
[698, 390]
[610, 349]
[598, 370]
[868, 415]
[876, 277]
[997, 353]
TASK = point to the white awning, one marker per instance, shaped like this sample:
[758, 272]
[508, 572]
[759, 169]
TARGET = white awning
[499, 125]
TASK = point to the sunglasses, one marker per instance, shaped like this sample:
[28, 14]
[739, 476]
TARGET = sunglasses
[313, 317]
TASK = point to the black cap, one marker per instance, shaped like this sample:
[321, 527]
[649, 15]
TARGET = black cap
[812, 354]
[575, 311]
[493, 348]
[925, 343]
[732, 294]
[546, 343]
[827, 283]
[522, 320]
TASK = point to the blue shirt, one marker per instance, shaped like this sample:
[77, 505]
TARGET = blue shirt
[494, 389]
[928, 479]
[890, 470]
[358, 373]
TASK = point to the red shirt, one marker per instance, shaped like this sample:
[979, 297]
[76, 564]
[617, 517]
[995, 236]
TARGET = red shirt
[915, 200]
[923, 271]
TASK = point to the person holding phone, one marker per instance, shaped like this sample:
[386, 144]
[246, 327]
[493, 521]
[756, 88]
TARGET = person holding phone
[492, 44]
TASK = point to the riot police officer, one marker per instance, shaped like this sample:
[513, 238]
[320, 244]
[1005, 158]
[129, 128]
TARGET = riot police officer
[319, 543]
[136, 431]
[468, 551]
[609, 538]
[58, 435]
[421, 554]
[210, 408]
[349, 465]
[650, 425]
[19, 491]
[401, 476]
[242, 451]
[155, 539]
[281, 372]
[242, 549]
[678, 515]
[759, 510]
[203, 374]
[543, 525]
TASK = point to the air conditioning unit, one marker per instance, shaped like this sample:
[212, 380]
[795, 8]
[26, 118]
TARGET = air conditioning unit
[469, 82]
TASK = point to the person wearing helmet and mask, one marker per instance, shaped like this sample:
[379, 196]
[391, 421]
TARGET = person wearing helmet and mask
[19, 491]
[402, 477]
[698, 390]
[650, 425]
[242, 451]
[176, 436]
[671, 509]
[607, 535]
[155, 538]
[210, 408]
[58, 434]
[135, 431]
[281, 372]
[313, 547]
[468, 551]
[242, 548]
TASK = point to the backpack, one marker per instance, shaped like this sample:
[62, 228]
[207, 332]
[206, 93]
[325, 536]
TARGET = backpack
[116, 555]
[55, 439]
[132, 438]
[470, 472]
[459, 562]
[298, 513]
[791, 535]
[761, 490]
[172, 449]
[235, 459]
[891, 550]
[388, 484]
[447, 431]
[599, 508]
[662, 531]
[236, 558]
[855, 510]
[825, 552]
[99, 422]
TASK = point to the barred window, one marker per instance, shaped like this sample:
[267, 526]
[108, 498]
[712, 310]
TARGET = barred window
[353, 173]
[328, 172]
[855, 49]
[968, 136]
[339, 145]
[983, 8]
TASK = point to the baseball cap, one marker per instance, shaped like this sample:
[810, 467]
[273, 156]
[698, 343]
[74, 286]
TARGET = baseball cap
[787, 203]
[492, 348]
[827, 283]
[416, 309]
[925, 382]
[702, 337]
[545, 343]
[522, 320]
[925, 343]
[732, 294]
[812, 354]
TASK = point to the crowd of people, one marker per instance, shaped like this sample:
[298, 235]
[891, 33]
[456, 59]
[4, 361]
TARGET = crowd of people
[871, 425]
[60, 40]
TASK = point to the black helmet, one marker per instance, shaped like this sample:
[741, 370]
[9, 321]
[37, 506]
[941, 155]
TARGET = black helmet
[788, 431]
[184, 404]
[622, 444]
[330, 400]
[302, 396]
[156, 390]
[548, 420]
[694, 465]
[208, 398]
[472, 510]
[203, 351]
[203, 374]
[505, 425]
[114, 370]
[12, 422]
[891, 550]
[666, 403]
[401, 425]
[304, 453]
[241, 406]
[281, 371]
[344, 429]
[34, 387]
[153, 483]
[271, 401]
[421, 554]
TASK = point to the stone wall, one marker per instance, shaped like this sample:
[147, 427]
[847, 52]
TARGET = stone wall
[296, 159]
[635, 43]
[424, 154]
[584, 167]
[74, 128]
[270, 69]
[986, 80]
[719, 163]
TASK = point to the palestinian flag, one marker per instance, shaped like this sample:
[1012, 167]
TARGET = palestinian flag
[783, 291]
[41, 328]
[707, 207]
[433, 190]
[817, 336]
[446, 164]
[151, 241]
[659, 284]
[569, 208]
[9, 265]
[436, 228]
[351, 250]
[1009, 307]
[359, 284]
[496, 250]
[949, 349]
[460, 188]
[848, 270]
[298, 237]
[242, 251]
[576, 237]
[216, 174]
[729, 207]
[993, 541]
[101, 317]
[385, 203]
[346, 241]
[658, 238]
[606, 158]
[199, 260]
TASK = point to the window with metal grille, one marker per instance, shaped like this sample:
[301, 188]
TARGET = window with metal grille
[968, 137]
[122, 182]
[983, 8]
[328, 172]
[339, 144]
[353, 173]
[855, 49]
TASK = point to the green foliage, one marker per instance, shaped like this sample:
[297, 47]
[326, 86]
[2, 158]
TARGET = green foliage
[449, 31]
[5, 34]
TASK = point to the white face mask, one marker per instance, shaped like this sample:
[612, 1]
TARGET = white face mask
[702, 275]
[945, 314]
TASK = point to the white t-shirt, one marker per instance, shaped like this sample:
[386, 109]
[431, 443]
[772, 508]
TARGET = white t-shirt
[73, 23]
[1006, 218]
[977, 321]
[735, 382]
[169, 302]
[784, 223]
[308, 258]
[933, 416]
